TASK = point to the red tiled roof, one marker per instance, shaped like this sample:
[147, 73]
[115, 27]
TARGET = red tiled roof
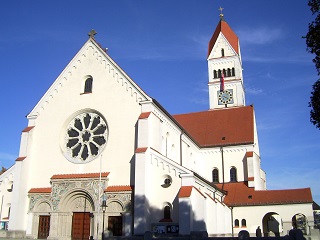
[121, 188]
[249, 154]
[40, 190]
[239, 194]
[185, 191]
[27, 129]
[141, 150]
[80, 175]
[20, 158]
[208, 128]
[229, 34]
[144, 115]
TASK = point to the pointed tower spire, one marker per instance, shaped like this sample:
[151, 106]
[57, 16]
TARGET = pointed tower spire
[224, 28]
[225, 67]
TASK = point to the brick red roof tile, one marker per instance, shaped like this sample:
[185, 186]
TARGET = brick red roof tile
[208, 128]
[141, 150]
[121, 188]
[27, 129]
[249, 154]
[20, 158]
[144, 115]
[185, 191]
[229, 34]
[40, 190]
[80, 175]
[239, 194]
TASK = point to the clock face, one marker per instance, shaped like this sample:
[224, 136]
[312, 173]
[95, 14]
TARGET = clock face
[225, 97]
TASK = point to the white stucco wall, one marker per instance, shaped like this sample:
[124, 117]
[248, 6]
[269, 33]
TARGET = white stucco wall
[254, 215]
[6, 186]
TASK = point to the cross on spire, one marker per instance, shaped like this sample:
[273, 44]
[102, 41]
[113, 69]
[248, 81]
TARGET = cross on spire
[221, 14]
[92, 33]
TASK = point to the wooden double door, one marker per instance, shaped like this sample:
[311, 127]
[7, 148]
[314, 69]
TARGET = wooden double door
[81, 226]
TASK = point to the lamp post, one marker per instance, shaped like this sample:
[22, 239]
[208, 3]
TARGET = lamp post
[103, 206]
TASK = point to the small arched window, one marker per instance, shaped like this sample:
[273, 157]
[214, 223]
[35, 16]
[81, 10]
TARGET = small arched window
[224, 72]
[229, 72]
[236, 223]
[88, 85]
[215, 175]
[215, 74]
[167, 212]
[233, 174]
[233, 72]
[219, 73]
[222, 52]
[243, 223]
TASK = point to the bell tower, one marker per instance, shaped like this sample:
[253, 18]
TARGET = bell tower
[225, 68]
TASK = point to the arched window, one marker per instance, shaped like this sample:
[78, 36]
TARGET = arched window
[233, 72]
[219, 73]
[229, 72]
[236, 223]
[215, 74]
[167, 212]
[224, 72]
[222, 52]
[215, 175]
[233, 174]
[243, 223]
[88, 85]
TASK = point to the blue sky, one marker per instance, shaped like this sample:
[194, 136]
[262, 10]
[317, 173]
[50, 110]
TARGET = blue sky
[162, 46]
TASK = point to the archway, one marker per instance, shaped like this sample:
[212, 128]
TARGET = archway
[77, 211]
[300, 221]
[115, 221]
[41, 220]
[272, 224]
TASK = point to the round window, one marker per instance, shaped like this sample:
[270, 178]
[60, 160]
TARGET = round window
[85, 138]
[167, 181]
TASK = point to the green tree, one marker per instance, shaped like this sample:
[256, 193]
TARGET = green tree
[313, 46]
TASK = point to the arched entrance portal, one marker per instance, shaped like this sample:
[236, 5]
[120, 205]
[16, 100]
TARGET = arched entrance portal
[79, 206]
[299, 221]
[272, 224]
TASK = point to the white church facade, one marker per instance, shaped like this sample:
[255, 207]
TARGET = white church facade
[101, 156]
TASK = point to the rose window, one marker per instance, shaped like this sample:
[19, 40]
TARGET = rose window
[86, 137]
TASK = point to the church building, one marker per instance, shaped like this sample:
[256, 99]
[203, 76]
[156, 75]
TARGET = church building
[100, 156]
